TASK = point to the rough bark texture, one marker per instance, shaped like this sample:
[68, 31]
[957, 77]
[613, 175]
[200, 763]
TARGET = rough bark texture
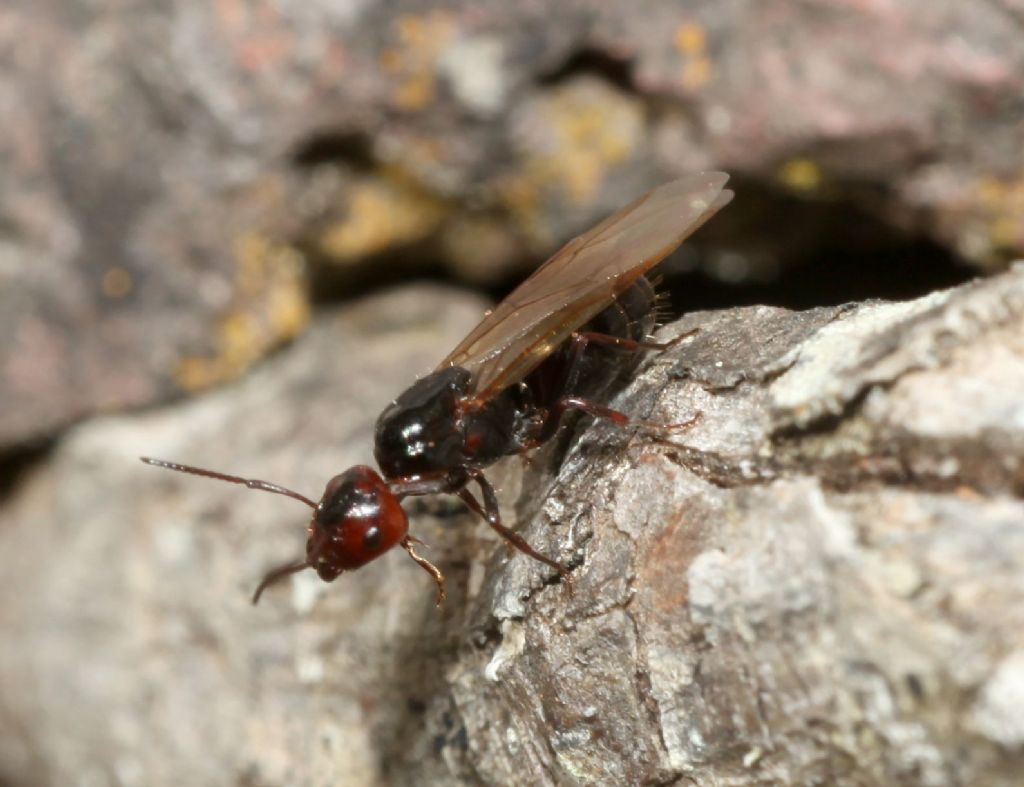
[169, 167]
[821, 583]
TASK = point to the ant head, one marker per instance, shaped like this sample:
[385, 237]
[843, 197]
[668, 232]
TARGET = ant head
[357, 520]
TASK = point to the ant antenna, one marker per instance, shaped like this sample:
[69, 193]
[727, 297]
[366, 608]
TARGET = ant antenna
[266, 486]
[278, 573]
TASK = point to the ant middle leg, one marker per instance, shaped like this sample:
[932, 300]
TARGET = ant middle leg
[617, 417]
[583, 339]
[490, 512]
[625, 344]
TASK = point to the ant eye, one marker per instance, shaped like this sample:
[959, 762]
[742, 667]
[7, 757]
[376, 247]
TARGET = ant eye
[372, 538]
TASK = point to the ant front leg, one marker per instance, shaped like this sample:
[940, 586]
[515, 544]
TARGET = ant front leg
[414, 487]
[492, 515]
[427, 566]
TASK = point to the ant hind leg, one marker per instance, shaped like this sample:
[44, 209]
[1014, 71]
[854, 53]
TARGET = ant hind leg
[617, 417]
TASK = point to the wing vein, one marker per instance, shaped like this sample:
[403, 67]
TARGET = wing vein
[584, 277]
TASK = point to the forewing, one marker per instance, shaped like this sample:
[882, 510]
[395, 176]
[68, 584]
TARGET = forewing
[584, 277]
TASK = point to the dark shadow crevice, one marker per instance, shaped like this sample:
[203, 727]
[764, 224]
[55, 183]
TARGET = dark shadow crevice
[617, 71]
[17, 461]
[354, 148]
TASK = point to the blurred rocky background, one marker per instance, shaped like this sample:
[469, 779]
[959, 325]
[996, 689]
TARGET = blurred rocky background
[182, 180]
[185, 187]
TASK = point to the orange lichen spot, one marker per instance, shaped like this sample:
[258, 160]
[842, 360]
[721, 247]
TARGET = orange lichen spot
[696, 73]
[391, 60]
[692, 43]
[596, 128]
[422, 39]
[424, 30]
[582, 131]
[251, 252]
[690, 39]
[384, 210]
[521, 196]
[270, 305]
[239, 339]
[999, 204]
[991, 192]
[1007, 231]
[116, 282]
[578, 132]
[194, 374]
[409, 28]
[479, 247]
[800, 174]
[289, 311]
[416, 92]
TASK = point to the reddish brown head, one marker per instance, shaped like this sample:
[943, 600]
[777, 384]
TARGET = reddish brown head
[357, 519]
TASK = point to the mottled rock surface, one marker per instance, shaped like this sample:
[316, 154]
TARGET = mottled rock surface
[820, 583]
[171, 172]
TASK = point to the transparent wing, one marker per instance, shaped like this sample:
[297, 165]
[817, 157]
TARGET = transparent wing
[584, 277]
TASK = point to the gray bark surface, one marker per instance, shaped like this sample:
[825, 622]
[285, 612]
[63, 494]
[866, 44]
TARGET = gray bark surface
[820, 583]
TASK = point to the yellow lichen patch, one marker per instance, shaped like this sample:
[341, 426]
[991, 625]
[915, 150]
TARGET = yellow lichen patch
[288, 309]
[384, 210]
[690, 39]
[194, 374]
[479, 248]
[416, 92]
[991, 192]
[696, 73]
[1000, 203]
[116, 282]
[270, 305]
[800, 174]
[578, 133]
[422, 39]
[593, 139]
[521, 197]
[691, 43]
[391, 60]
[1007, 231]
[239, 340]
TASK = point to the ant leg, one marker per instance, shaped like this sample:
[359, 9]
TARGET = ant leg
[580, 343]
[490, 512]
[629, 345]
[401, 487]
[615, 416]
[426, 565]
